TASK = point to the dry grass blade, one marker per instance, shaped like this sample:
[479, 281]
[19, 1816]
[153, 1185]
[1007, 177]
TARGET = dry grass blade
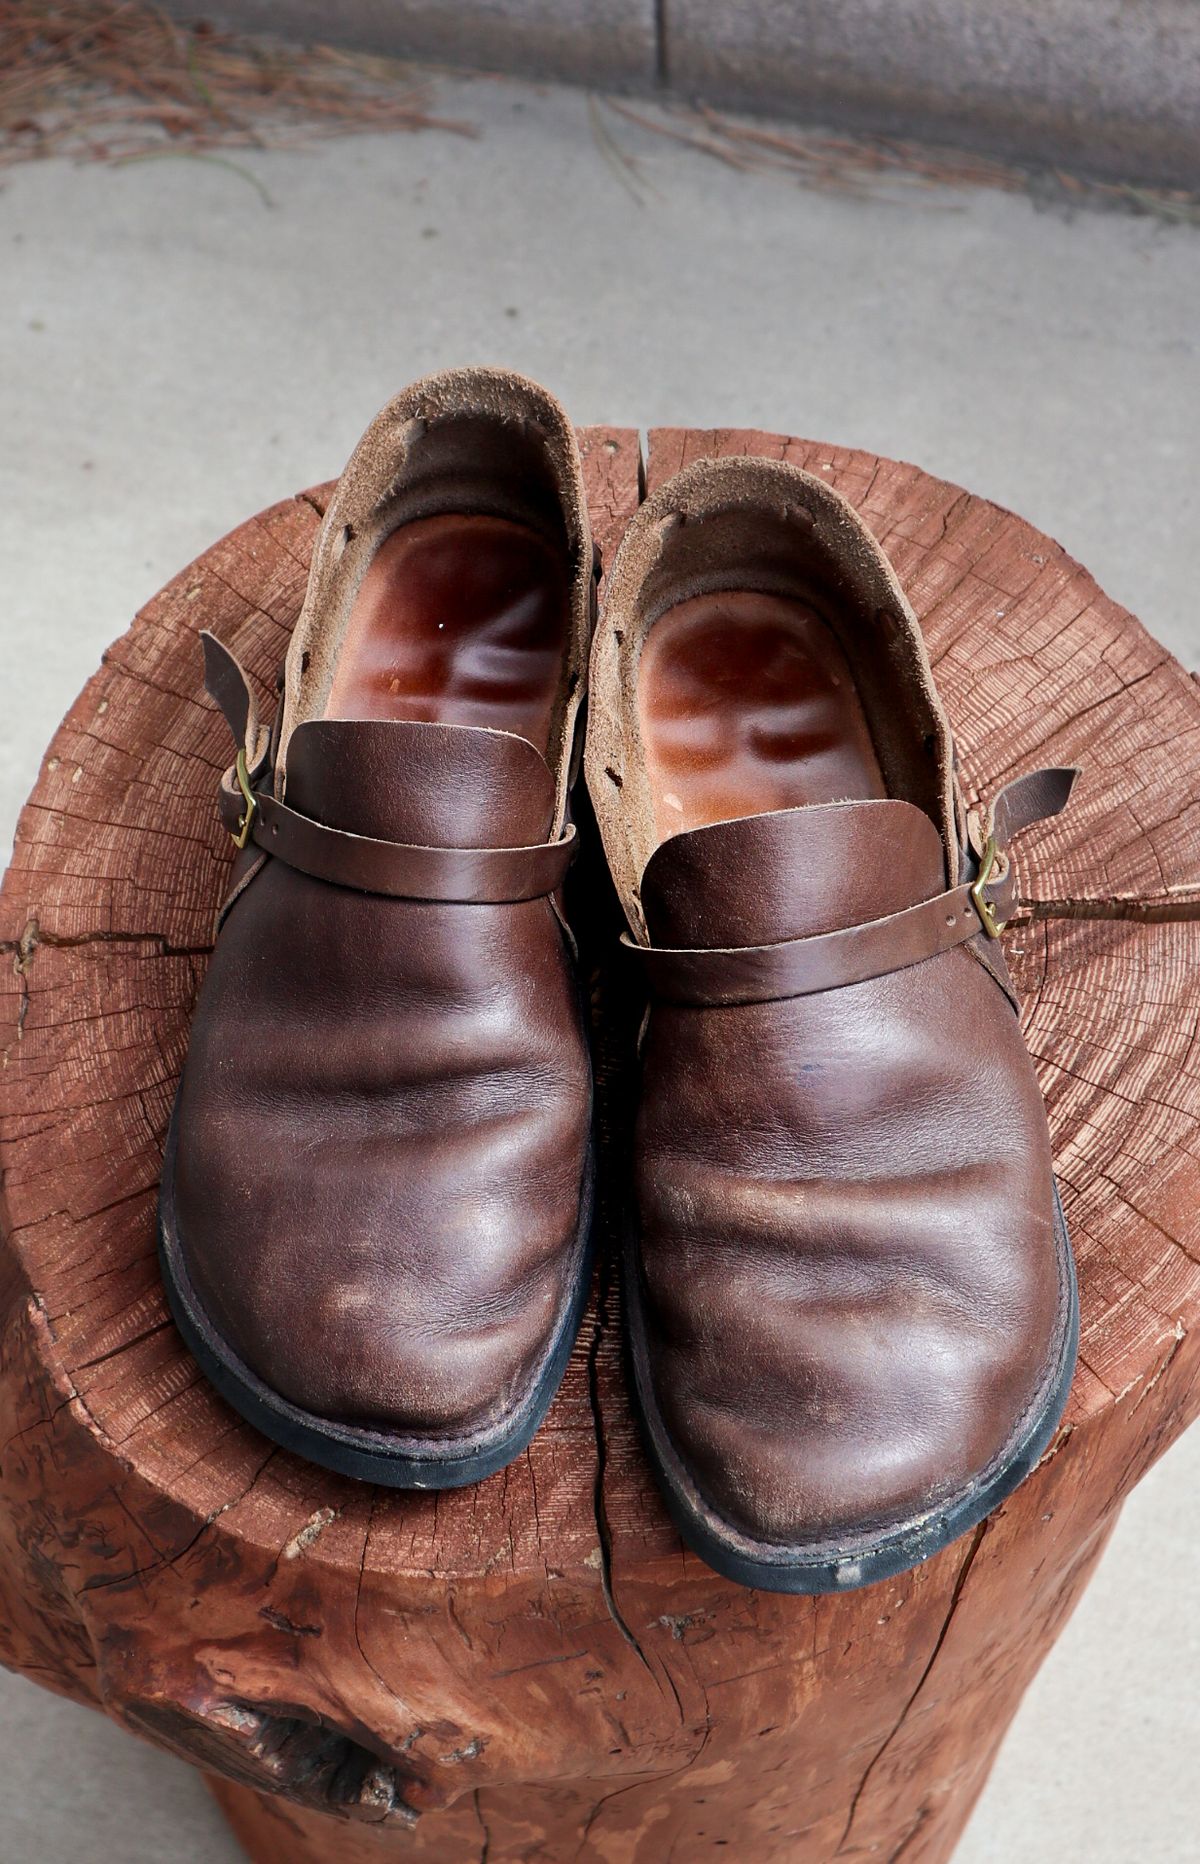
[660, 126]
[619, 160]
[817, 158]
[117, 79]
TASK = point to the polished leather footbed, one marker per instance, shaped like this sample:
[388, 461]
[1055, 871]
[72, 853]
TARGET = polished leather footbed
[459, 620]
[843, 1564]
[746, 703]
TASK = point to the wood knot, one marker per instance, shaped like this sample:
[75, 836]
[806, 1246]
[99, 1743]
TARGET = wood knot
[285, 1751]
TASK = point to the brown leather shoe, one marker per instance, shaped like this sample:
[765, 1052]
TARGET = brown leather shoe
[377, 1190]
[850, 1296]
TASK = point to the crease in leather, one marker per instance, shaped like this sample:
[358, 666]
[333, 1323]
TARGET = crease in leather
[877, 1532]
[462, 1443]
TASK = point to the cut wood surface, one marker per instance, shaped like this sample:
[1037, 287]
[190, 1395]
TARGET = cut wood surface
[534, 1668]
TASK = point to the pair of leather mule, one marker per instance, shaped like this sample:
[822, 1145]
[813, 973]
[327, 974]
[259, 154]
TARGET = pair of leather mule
[848, 1289]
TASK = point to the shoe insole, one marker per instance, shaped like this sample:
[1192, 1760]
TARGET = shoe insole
[458, 621]
[747, 703]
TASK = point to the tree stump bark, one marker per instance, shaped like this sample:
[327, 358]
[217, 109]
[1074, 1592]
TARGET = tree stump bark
[534, 1668]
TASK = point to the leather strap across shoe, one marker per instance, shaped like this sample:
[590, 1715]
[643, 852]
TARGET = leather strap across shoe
[797, 967]
[369, 864]
[376, 1199]
[848, 1286]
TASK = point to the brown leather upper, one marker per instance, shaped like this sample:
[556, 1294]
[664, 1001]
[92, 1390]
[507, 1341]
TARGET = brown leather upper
[384, 1114]
[382, 1133]
[846, 1294]
[845, 1197]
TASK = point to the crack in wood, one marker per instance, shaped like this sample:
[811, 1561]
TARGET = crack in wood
[1160, 910]
[603, 1529]
[35, 935]
[956, 1594]
[485, 1849]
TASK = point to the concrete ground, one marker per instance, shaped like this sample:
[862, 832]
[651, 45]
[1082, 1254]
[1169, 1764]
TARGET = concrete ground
[176, 352]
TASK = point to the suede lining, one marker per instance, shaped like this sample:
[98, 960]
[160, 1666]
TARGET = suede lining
[476, 441]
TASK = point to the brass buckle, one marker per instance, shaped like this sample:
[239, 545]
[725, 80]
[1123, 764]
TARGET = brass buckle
[246, 820]
[987, 912]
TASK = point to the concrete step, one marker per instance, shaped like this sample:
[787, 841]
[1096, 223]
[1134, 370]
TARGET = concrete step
[1107, 88]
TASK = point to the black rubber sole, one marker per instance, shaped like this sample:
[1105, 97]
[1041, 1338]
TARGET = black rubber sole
[359, 1451]
[856, 1561]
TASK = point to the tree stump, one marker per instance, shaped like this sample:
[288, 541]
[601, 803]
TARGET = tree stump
[534, 1669]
